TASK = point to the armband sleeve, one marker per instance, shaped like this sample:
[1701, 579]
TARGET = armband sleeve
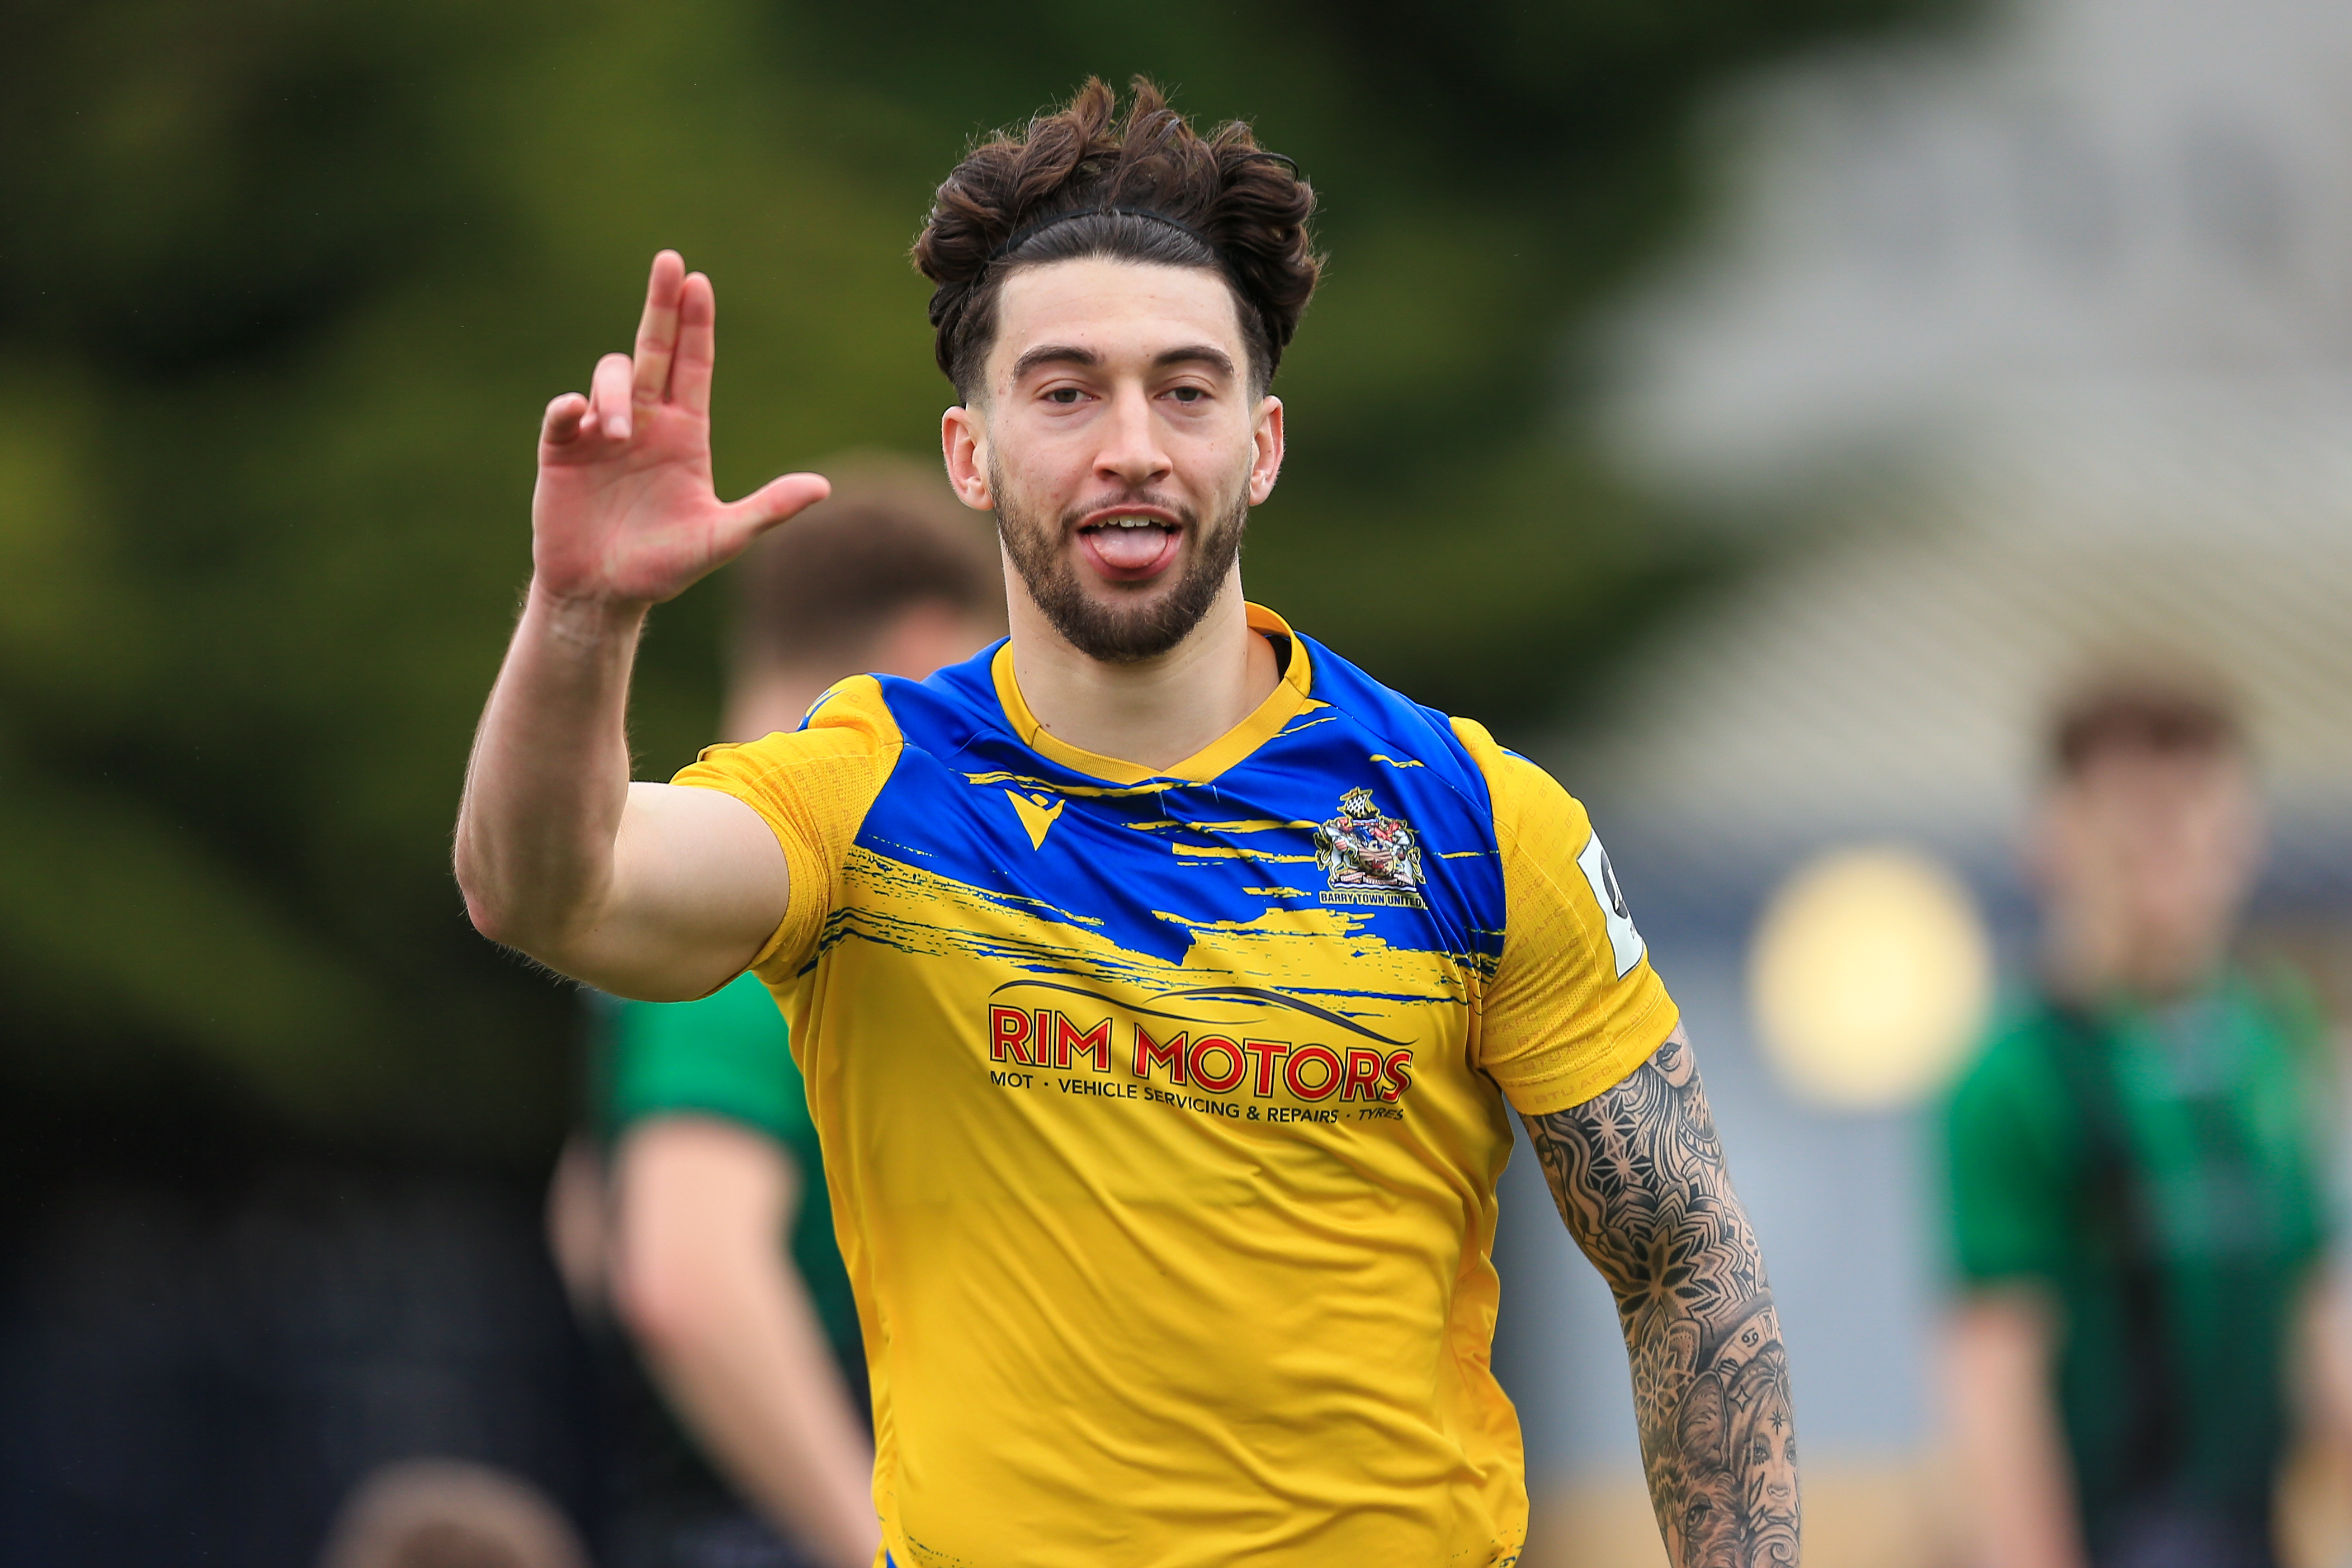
[1573, 1007]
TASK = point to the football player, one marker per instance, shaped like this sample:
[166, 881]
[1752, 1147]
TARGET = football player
[1163, 984]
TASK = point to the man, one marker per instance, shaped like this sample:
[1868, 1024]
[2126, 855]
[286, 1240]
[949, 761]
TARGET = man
[1162, 983]
[713, 1230]
[2136, 1171]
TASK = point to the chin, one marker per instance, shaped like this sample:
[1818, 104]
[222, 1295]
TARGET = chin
[1108, 598]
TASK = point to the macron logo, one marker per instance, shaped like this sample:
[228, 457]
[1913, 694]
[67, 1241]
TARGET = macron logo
[1035, 815]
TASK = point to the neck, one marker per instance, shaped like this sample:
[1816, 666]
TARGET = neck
[2085, 959]
[1156, 712]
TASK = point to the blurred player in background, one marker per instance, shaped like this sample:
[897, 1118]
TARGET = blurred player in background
[700, 1209]
[449, 1513]
[2138, 1170]
[1164, 985]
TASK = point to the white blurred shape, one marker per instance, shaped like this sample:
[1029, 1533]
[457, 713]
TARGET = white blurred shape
[1870, 976]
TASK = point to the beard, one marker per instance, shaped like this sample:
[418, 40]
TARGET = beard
[1118, 632]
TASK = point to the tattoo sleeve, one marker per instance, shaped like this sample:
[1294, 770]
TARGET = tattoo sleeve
[1639, 1176]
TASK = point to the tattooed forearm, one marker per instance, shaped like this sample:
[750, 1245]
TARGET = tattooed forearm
[1639, 1176]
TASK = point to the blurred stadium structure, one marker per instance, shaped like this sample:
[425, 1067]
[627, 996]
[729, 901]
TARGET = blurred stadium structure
[2028, 349]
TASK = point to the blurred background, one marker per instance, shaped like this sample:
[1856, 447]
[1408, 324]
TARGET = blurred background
[1754, 411]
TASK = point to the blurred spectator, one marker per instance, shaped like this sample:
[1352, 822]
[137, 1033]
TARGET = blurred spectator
[2137, 1166]
[698, 1208]
[441, 1513]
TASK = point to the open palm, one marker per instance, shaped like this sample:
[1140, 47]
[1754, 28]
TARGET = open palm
[625, 510]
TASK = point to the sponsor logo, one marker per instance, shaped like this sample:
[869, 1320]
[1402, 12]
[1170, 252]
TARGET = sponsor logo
[1037, 812]
[1154, 1045]
[1368, 856]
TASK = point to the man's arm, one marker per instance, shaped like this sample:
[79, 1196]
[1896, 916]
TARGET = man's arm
[642, 889]
[700, 1278]
[1998, 1346]
[1639, 1176]
[2323, 1350]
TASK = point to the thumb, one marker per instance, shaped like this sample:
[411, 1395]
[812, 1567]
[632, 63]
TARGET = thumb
[775, 501]
[768, 506]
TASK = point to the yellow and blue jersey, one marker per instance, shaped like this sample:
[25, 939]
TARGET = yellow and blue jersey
[1162, 1112]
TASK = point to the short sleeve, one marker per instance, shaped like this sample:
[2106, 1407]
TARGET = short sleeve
[813, 788]
[1574, 1006]
[729, 1054]
[2005, 1179]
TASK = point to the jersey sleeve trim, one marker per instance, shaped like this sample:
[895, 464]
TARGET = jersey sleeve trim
[1540, 1096]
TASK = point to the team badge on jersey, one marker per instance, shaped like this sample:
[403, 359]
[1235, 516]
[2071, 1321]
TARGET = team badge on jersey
[1369, 857]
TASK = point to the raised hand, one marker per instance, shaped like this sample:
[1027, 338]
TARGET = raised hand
[624, 512]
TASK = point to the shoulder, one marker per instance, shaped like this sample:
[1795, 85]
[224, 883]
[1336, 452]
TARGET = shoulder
[1407, 736]
[1525, 798]
[1515, 792]
[2282, 998]
[947, 712]
[1550, 855]
[851, 724]
[870, 716]
[2012, 1085]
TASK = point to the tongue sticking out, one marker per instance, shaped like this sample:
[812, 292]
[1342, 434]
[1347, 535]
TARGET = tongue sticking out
[1130, 549]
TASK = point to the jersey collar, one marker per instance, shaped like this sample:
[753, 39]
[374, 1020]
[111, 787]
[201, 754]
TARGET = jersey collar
[1286, 703]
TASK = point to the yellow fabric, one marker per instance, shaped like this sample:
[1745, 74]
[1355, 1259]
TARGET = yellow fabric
[813, 786]
[1558, 1027]
[1111, 1323]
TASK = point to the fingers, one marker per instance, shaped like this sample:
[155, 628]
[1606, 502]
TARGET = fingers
[622, 382]
[560, 427]
[698, 315]
[609, 413]
[775, 501]
[657, 328]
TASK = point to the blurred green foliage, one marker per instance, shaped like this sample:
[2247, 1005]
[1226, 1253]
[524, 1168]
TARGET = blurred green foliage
[285, 283]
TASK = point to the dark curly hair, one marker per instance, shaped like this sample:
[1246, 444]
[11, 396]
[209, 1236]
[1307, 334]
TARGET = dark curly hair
[1083, 182]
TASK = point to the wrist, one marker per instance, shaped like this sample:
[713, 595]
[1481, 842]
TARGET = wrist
[583, 618]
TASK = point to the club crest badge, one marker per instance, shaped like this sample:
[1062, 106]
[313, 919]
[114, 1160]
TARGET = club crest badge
[1369, 857]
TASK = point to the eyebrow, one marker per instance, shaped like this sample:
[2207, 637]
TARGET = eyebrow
[1197, 354]
[1071, 353]
[1054, 354]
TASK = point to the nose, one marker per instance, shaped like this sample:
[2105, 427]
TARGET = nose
[1131, 455]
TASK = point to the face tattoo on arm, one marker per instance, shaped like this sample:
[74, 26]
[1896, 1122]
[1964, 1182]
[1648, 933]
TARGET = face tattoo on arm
[1639, 1176]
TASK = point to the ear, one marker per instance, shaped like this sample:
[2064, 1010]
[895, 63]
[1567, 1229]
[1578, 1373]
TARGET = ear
[964, 442]
[1266, 435]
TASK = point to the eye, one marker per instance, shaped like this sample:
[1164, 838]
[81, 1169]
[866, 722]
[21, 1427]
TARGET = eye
[1065, 395]
[1189, 394]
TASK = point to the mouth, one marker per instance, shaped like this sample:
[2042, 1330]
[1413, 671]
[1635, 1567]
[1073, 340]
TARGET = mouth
[1130, 546]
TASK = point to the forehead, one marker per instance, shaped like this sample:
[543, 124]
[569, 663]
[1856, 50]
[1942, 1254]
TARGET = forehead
[1120, 310]
[2129, 778]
